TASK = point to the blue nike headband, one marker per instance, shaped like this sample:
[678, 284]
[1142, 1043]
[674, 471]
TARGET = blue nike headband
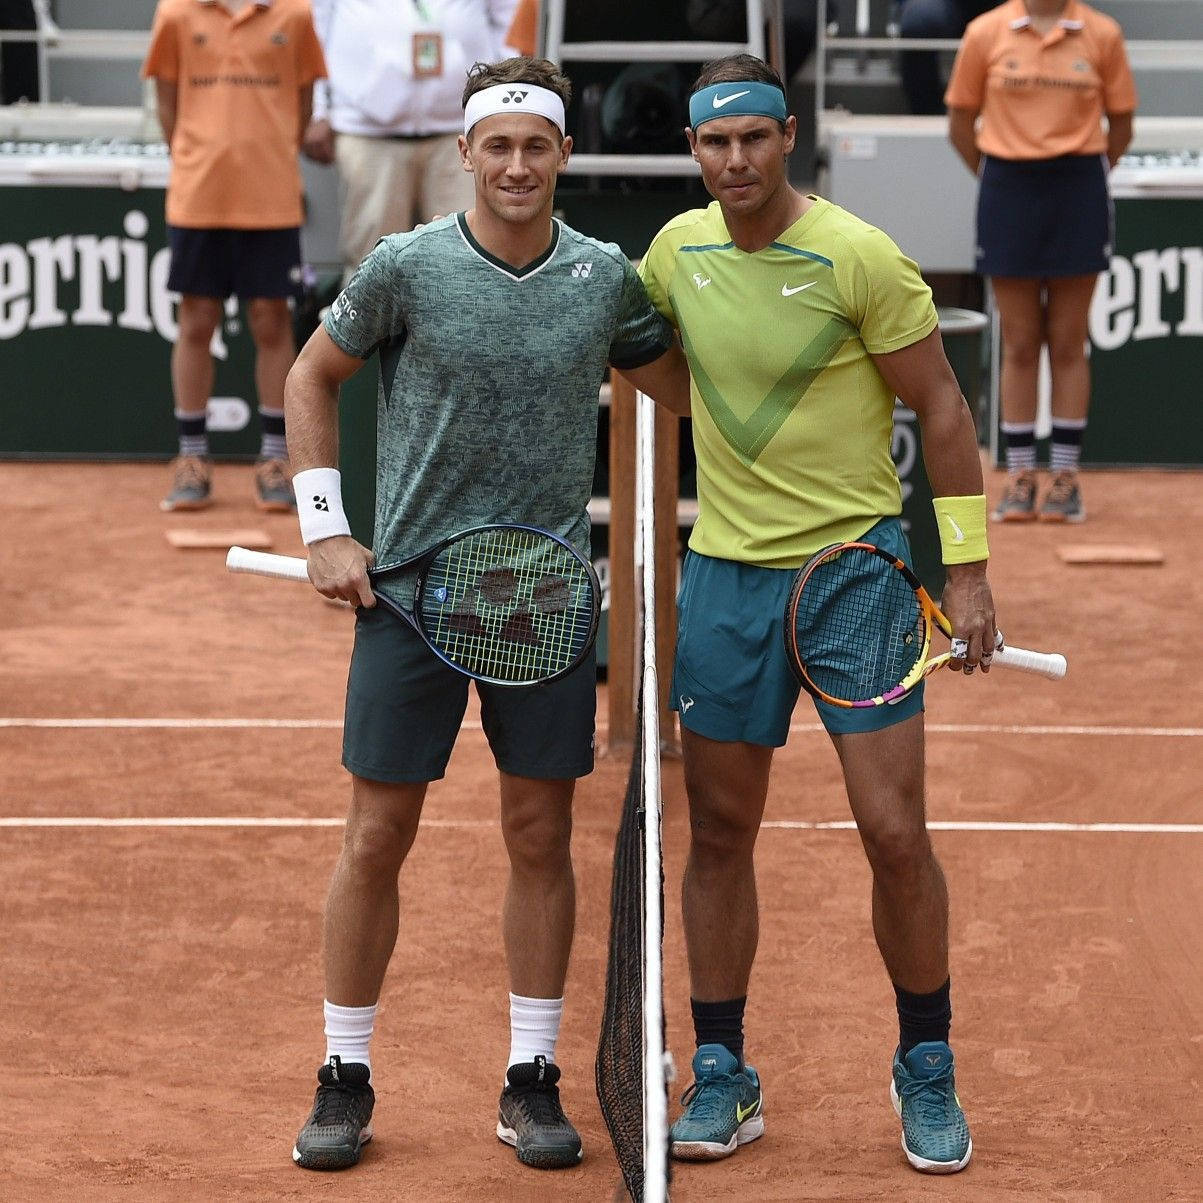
[743, 99]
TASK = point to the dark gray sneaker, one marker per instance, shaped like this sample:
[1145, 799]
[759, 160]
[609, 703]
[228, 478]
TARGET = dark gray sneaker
[341, 1121]
[190, 488]
[273, 486]
[1018, 503]
[530, 1117]
[1064, 500]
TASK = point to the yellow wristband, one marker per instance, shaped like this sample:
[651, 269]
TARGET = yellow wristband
[961, 522]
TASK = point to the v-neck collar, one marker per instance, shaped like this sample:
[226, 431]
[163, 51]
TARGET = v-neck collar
[508, 269]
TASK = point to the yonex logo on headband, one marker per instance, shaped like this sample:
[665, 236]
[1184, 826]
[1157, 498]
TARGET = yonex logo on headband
[505, 98]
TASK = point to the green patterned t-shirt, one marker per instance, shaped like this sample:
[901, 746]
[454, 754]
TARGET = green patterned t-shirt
[487, 406]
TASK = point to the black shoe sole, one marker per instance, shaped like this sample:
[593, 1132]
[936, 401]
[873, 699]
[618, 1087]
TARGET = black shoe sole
[328, 1159]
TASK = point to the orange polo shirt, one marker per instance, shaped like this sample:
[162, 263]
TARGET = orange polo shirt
[234, 149]
[1041, 96]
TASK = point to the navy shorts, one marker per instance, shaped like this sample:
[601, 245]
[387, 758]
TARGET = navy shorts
[1044, 217]
[731, 680]
[405, 708]
[242, 263]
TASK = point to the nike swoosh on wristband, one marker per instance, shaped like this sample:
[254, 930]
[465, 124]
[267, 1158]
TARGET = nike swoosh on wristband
[958, 535]
[719, 101]
[786, 291]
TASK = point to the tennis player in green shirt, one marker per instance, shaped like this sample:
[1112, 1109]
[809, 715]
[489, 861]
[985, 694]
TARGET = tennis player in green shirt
[801, 324]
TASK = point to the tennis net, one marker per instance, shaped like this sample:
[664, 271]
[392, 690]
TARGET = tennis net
[632, 1067]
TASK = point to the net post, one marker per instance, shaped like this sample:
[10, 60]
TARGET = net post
[666, 478]
[620, 674]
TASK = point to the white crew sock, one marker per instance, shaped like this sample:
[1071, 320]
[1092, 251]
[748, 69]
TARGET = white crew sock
[349, 1032]
[534, 1027]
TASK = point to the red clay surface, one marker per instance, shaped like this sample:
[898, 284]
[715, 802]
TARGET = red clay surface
[161, 987]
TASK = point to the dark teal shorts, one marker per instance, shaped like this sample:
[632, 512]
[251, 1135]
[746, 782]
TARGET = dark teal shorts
[405, 708]
[731, 680]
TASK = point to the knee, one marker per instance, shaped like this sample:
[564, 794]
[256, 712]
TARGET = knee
[375, 844]
[896, 849]
[269, 322]
[538, 839]
[720, 835]
[198, 318]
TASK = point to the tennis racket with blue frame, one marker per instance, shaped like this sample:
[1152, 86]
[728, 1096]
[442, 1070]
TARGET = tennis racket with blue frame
[859, 624]
[506, 604]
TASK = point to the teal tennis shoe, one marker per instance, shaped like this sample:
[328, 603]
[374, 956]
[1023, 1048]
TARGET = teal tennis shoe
[935, 1136]
[724, 1107]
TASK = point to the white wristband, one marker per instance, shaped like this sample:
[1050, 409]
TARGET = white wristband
[320, 504]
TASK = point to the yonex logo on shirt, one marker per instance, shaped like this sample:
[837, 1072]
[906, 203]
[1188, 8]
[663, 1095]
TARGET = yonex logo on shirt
[582, 270]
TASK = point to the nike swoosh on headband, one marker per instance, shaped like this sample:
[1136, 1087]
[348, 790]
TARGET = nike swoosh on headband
[719, 101]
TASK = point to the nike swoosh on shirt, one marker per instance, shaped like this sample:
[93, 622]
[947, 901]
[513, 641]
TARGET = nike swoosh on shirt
[786, 291]
[719, 101]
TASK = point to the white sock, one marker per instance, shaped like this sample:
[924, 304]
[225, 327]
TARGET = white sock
[534, 1027]
[349, 1032]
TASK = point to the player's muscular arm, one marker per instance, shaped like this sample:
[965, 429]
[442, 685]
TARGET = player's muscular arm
[665, 380]
[337, 566]
[923, 380]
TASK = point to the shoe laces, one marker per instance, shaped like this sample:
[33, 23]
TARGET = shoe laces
[335, 1103]
[272, 475]
[705, 1098]
[1064, 486]
[929, 1096]
[540, 1103]
[1021, 489]
[190, 471]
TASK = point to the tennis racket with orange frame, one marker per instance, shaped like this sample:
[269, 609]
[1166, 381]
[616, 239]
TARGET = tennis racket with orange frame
[859, 624]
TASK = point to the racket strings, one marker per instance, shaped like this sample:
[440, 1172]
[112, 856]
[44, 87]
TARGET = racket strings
[507, 604]
[858, 626]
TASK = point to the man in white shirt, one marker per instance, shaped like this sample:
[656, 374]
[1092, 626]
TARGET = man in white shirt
[390, 113]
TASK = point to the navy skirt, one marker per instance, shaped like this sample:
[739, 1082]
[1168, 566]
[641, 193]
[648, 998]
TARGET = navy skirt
[1044, 217]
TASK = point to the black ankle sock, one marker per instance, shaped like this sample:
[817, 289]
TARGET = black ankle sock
[720, 1023]
[923, 1017]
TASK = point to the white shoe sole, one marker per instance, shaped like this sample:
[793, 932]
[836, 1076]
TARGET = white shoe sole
[710, 1150]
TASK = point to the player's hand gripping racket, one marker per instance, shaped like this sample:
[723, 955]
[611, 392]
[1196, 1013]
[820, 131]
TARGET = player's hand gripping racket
[505, 604]
[858, 629]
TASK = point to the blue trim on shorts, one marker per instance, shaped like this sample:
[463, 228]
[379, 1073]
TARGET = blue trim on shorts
[731, 679]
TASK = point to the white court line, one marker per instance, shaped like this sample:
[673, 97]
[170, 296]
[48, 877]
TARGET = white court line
[474, 824]
[326, 724]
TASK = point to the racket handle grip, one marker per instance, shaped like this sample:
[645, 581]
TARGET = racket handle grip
[262, 563]
[1044, 664]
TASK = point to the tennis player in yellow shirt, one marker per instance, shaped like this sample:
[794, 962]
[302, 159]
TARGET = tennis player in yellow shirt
[801, 324]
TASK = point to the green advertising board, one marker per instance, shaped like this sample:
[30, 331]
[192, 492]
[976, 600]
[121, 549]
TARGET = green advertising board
[87, 325]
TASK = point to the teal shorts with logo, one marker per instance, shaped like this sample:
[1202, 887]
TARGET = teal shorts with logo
[405, 708]
[731, 679]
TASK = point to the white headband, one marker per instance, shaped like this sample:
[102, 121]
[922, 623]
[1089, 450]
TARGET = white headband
[514, 98]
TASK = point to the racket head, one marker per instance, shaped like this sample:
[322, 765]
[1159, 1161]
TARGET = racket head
[857, 629]
[508, 604]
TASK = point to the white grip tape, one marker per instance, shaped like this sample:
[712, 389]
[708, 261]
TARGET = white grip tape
[320, 504]
[261, 563]
[1045, 664]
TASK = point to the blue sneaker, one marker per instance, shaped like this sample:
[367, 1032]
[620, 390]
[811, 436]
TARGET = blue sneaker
[723, 1108]
[935, 1136]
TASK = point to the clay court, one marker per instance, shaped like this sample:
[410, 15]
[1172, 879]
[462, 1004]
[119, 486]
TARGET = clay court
[171, 805]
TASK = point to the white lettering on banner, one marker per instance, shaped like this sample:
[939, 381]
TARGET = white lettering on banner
[32, 276]
[1129, 301]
